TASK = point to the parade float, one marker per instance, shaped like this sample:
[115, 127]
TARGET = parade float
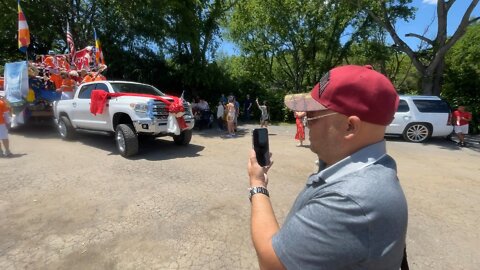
[31, 87]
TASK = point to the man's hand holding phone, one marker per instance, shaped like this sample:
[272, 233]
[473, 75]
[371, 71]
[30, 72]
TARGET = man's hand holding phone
[258, 174]
[260, 158]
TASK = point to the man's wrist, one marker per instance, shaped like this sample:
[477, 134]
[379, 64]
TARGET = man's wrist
[257, 190]
[258, 183]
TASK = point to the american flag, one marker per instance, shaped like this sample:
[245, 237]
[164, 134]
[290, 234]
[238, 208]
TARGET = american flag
[70, 43]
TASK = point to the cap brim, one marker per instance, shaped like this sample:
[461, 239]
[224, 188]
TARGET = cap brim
[303, 103]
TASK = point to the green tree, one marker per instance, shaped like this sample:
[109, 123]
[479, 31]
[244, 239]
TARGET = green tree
[290, 44]
[430, 62]
[282, 40]
[8, 32]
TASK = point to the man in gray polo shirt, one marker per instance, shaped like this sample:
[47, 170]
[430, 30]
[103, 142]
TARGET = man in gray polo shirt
[352, 214]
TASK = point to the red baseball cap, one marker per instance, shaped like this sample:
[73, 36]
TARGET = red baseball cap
[352, 91]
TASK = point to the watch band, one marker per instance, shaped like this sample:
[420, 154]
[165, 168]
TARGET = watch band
[255, 190]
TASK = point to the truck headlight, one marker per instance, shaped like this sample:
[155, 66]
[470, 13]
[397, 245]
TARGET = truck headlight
[139, 107]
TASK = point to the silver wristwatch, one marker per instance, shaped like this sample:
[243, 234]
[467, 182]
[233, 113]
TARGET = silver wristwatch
[255, 190]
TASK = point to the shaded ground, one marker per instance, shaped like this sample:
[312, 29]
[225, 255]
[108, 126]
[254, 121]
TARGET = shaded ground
[79, 205]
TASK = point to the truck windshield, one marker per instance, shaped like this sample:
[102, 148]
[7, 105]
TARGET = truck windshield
[136, 88]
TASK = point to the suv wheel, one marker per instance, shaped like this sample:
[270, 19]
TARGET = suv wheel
[184, 138]
[417, 132]
[65, 128]
[126, 140]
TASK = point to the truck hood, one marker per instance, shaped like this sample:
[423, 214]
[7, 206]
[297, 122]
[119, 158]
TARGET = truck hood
[130, 99]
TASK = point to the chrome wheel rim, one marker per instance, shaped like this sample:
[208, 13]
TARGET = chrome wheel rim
[417, 133]
[120, 141]
[62, 128]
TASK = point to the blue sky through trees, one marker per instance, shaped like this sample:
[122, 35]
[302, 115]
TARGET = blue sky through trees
[425, 23]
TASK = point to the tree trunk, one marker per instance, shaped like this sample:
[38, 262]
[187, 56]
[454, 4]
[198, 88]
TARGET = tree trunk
[438, 78]
[427, 84]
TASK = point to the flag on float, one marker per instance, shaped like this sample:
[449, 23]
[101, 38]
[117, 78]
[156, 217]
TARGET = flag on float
[82, 59]
[71, 44]
[23, 32]
[98, 50]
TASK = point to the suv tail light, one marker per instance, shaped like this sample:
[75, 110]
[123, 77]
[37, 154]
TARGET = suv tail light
[449, 121]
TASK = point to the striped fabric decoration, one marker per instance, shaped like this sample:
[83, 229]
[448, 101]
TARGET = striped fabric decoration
[98, 50]
[23, 32]
[71, 44]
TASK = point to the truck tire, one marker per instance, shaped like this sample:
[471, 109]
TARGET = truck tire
[126, 140]
[184, 138]
[65, 128]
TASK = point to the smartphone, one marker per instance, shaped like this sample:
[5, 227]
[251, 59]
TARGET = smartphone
[260, 145]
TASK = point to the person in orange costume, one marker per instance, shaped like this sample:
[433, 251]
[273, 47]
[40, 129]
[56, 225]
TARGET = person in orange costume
[68, 86]
[98, 75]
[56, 79]
[63, 63]
[86, 76]
[49, 61]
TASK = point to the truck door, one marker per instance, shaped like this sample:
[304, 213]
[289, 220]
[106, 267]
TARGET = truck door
[78, 117]
[84, 118]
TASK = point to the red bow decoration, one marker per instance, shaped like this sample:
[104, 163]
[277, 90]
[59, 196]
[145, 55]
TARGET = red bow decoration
[176, 108]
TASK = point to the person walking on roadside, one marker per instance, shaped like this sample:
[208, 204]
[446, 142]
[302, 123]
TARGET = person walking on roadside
[300, 135]
[247, 108]
[352, 213]
[264, 117]
[220, 112]
[237, 112]
[223, 99]
[461, 118]
[4, 119]
[231, 114]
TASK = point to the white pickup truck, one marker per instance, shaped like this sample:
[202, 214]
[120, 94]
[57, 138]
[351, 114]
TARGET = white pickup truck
[128, 116]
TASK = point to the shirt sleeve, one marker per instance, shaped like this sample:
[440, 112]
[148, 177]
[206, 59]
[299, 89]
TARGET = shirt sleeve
[329, 232]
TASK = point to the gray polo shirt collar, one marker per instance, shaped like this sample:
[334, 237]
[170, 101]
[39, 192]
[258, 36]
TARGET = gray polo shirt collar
[358, 160]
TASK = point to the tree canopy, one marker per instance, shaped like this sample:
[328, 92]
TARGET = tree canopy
[284, 45]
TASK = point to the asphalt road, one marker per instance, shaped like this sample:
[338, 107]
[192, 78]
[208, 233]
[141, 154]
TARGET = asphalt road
[79, 205]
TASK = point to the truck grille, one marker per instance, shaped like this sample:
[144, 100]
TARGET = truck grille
[159, 109]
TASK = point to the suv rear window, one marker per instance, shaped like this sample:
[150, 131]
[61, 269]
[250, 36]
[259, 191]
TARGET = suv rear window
[432, 106]
[403, 106]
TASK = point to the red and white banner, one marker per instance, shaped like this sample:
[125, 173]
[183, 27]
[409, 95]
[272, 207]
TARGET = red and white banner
[83, 58]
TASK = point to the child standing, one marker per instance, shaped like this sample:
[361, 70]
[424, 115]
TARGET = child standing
[4, 117]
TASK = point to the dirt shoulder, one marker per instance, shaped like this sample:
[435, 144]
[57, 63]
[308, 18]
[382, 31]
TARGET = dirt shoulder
[79, 205]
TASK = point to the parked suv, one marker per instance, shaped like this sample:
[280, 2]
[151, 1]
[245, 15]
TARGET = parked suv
[420, 117]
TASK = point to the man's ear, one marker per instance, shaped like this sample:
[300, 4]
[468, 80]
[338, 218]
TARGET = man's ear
[353, 125]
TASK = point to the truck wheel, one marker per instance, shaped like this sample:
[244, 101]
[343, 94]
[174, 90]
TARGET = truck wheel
[126, 140]
[184, 138]
[65, 128]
